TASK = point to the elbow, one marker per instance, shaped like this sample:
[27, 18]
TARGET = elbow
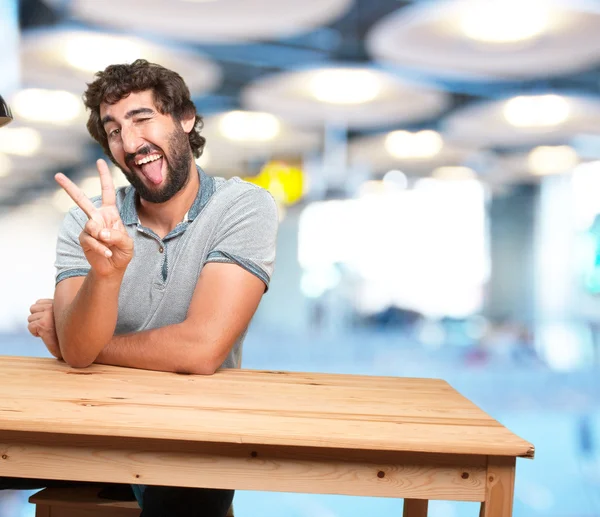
[74, 358]
[75, 361]
[202, 367]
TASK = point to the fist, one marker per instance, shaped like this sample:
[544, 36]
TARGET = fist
[41, 324]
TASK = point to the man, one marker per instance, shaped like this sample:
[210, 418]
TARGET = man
[165, 274]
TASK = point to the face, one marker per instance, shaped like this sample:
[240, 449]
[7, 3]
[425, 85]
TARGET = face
[150, 148]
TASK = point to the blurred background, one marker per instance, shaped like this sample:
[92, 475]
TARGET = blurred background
[437, 170]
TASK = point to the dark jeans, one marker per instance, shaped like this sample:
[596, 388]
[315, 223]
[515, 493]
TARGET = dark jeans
[158, 501]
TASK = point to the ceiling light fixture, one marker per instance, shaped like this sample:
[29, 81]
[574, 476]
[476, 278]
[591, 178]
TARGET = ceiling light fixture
[20, 141]
[50, 106]
[537, 111]
[249, 126]
[545, 160]
[454, 173]
[506, 21]
[93, 52]
[411, 146]
[344, 86]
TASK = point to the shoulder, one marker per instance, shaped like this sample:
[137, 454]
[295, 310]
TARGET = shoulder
[237, 191]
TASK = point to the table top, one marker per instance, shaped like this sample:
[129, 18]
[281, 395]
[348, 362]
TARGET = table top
[249, 407]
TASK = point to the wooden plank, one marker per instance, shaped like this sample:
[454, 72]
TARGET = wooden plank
[242, 406]
[244, 467]
[500, 487]
[80, 497]
[415, 508]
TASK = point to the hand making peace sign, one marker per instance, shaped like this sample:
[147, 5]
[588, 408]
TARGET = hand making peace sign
[104, 239]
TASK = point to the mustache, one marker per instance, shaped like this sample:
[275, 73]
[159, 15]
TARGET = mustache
[144, 151]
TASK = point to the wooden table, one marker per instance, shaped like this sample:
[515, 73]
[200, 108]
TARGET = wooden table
[416, 439]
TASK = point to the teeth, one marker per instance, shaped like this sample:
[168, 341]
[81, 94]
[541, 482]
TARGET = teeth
[148, 159]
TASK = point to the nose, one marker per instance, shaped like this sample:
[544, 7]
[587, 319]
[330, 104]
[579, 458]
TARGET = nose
[131, 140]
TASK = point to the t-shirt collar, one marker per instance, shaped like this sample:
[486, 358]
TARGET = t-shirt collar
[207, 189]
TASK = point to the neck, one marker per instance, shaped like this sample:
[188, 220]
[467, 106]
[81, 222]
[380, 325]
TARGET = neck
[161, 218]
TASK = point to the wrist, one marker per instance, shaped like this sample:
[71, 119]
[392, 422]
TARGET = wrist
[112, 277]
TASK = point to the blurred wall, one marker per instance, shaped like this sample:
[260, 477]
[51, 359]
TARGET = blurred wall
[512, 219]
[284, 308]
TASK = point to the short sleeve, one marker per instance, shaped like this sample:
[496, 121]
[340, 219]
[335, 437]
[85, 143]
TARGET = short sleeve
[70, 259]
[247, 234]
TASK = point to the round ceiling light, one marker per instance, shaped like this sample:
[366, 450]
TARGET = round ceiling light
[489, 39]
[545, 160]
[454, 173]
[508, 21]
[224, 21]
[344, 86]
[49, 106]
[536, 111]
[406, 145]
[20, 141]
[249, 126]
[350, 96]
[96, 51]
[66, 59]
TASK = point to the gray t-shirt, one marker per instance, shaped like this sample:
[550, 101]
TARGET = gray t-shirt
[230, 221]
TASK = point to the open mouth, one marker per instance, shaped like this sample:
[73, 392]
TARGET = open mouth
[151, 167]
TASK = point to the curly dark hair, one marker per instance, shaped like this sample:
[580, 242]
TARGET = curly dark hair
[171, 97]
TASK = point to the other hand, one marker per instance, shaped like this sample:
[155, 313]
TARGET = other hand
[41, 324]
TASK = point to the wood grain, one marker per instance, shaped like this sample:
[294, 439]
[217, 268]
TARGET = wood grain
[273, 468]
[500, 487]
[249, 407]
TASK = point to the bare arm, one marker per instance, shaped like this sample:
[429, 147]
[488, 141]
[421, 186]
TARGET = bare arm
[85, 312]
[224, 301]
[85, 309]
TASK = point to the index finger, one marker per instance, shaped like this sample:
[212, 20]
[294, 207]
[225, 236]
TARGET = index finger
[106, 182]
[76, 194]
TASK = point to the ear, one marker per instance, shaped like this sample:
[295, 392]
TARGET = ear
[188, 121]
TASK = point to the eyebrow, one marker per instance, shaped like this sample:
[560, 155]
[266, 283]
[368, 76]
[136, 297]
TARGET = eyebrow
[108, 118]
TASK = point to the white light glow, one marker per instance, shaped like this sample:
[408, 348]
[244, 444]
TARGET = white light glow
[21, 141]
[249, 126]
[94, 52]
[454, 173]
[395, 179]
[544, 160]
[345, 86]
[505, 21]
[5, 165]
[413, 146]
[585, 183]
[537, 111]
[371, 188]
[405, 228]
[53, 106]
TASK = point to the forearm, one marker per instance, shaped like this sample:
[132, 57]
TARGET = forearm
[174, 348]
[87, 325]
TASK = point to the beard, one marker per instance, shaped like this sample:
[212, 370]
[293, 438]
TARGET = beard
[177, 172]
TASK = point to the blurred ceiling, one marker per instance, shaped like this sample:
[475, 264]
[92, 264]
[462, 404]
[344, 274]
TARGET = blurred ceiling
[412, 85]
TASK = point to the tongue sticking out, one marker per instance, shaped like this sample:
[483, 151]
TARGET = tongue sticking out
[153, 171]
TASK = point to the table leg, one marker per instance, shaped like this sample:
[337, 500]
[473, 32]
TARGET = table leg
[415, 508]
[500, 487]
